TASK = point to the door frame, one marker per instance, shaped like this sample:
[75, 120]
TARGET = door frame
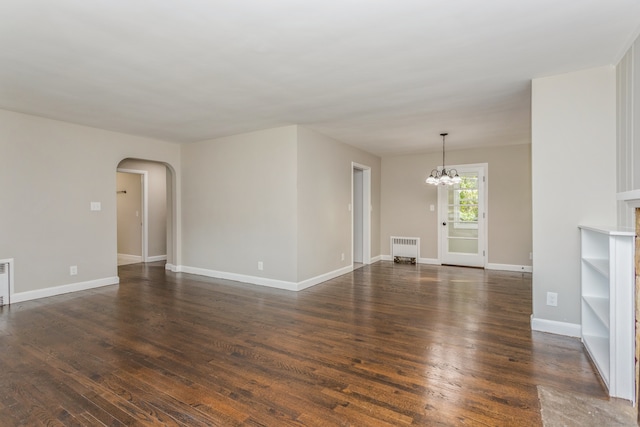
[483, 217]
[366, 212]
[145, 209]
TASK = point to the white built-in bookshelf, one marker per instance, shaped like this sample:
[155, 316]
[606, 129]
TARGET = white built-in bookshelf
[608, 322]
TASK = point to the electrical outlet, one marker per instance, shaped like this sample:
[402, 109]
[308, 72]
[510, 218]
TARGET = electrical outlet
[73, 270]
[342, 257]
[260, 265]
[552, 299]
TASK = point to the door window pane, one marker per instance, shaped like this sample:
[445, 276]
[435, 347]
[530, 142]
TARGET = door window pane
[463, 202]
[464, 246]
[466, 232]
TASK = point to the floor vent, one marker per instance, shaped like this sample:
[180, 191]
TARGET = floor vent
[5, 268]
[405, 249]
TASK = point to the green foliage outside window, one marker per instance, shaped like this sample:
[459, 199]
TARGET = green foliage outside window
[468, 199]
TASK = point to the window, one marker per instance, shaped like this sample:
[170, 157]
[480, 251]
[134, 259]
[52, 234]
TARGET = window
[463, 202]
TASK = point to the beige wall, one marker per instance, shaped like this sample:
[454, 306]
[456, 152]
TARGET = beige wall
[239, 204]
[51, 171]
[157, 203]
[406, 199]
[574, 180]
[279, 196]
[324, 195]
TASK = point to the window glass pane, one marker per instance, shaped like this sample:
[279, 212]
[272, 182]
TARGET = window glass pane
[463, 246]
[462, 217]
[463, 213]
[470, 230]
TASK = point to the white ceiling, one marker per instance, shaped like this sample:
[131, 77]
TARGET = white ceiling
[384, 75]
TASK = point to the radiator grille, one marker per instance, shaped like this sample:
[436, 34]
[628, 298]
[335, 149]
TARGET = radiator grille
[405, 248]
[4, 283]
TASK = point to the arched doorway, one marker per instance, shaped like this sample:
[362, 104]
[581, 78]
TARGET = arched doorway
[146, 211]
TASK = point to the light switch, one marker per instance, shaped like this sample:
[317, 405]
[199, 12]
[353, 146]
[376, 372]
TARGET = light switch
[432, 208]
[96, 206]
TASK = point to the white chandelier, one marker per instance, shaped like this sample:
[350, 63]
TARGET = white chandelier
[444, 176]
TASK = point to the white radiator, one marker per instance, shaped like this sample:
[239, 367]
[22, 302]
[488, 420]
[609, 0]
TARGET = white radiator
[405, 248]
[4, 282]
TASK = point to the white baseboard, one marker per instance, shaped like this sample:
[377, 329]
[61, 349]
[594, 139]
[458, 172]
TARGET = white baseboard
[124, 259]
[555, 327]
[63, 289]
[293, 286]
[509, 267]
[323, 277]
[490, 266]
[261, 281]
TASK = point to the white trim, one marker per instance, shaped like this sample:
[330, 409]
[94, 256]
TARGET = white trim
[156, 258]
[430, 261]
[171, 267]
[628, 195]
[376, 259]
[261, 281]
[323, 277]
[490, 266]
[63, 289]
[555, 327]
[367, 207]
[124, 259]
[145, 209]
[509, 267]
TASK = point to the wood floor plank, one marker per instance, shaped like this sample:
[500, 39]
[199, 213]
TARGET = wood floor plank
[387, 344]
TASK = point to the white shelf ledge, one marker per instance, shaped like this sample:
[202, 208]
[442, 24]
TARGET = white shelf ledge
[598, 348]
[610, 230]
[600, 307]
[600, 264]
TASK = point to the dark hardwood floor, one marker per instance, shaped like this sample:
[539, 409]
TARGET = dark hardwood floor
[388, 344]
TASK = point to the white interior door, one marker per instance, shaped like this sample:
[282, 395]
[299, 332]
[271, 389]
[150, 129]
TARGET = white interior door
[462, 218]
[360, 208]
